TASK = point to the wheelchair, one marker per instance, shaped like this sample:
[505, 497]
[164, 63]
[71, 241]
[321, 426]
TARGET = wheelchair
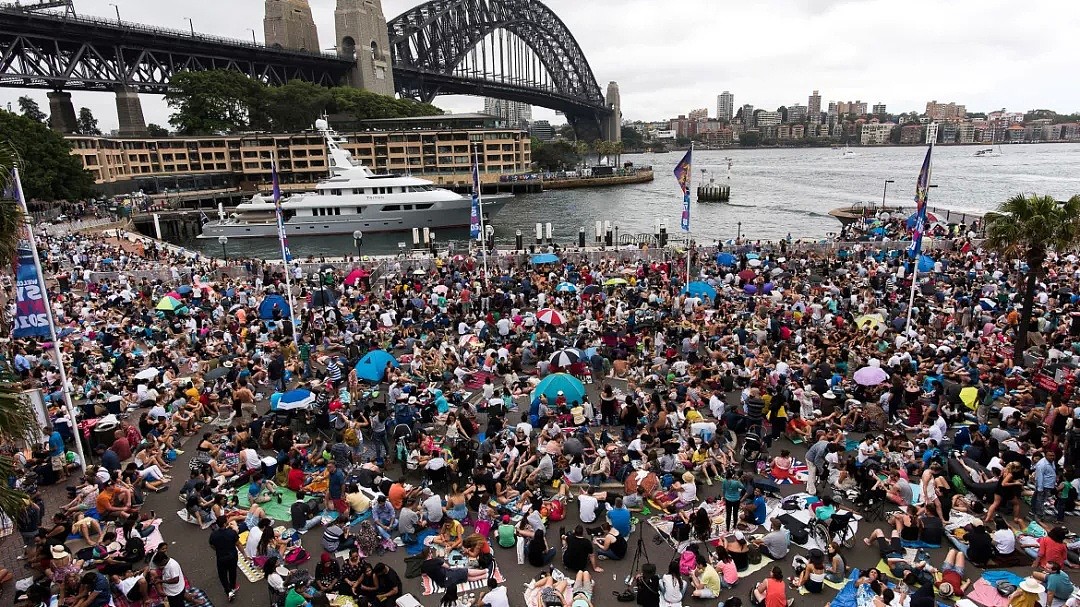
[836, 529]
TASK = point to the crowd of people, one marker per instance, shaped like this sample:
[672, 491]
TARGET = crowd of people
[683, 404]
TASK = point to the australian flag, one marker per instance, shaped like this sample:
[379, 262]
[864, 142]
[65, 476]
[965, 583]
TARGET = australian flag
[682, 174]
[922, 188]
[286, 256]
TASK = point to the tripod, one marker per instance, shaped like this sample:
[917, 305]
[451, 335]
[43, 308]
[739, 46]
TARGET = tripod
[639, 553]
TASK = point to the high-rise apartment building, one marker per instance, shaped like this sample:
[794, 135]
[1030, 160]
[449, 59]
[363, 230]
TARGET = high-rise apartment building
[698, 115]
[945, 111]
[813, 107]
[725, 106]
[763, 118]
[748, 115]
[879, 109]
[796, 114]
[515, 113]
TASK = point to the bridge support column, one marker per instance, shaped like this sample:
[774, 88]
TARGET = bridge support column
[129, 111]
[62, 112]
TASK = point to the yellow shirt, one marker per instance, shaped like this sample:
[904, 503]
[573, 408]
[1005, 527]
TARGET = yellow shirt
[359, 502]
[693, 415]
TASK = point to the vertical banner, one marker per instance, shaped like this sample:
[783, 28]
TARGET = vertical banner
[474, 218]
[922, 190]
[31, 317]
[682, 174]
[286, 255]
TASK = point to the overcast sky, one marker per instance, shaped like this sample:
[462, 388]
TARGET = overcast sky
[671, 57]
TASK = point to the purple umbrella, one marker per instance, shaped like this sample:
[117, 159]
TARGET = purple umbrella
[870, 376]
[767, 287]
[751, 289]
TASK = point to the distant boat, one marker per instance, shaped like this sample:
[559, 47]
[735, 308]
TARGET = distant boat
[988, 152]
[848, 152]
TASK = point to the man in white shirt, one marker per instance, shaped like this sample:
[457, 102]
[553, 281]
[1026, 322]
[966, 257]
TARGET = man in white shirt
[587, 503]
[172, 579]
[494, 597]
[250, 459]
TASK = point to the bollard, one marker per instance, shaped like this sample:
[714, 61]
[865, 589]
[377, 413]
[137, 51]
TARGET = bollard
[415, 237]
[663, 235]
[599, 232]
[547, 229]
[581, 238]
[607, 233]
[539, 233]
[519, 241]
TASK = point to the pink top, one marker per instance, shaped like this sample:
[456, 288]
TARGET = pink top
[729, 572]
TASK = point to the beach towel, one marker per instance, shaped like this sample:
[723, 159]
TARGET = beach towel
[197, 598]
[417, 547]
[918, 544]
[847, 595]
[430, 587]
[251, 572]
[984, 593]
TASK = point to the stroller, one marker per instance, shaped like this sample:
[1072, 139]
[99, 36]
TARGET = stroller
[753, 446]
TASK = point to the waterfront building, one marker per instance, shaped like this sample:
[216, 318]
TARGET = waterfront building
[945, 111]
[912, 134]
[764, 118]
[813, 107]
[698, 115]
[965, 132]
[725, 106]
[431, 145]
[514, 113]
[879, 109]
[783, 132]
[542, 130]
[875, 133]
[747, 113]
[947, 132]
[798, 131]
[796, 114]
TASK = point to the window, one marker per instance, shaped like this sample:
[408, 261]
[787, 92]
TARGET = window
[422, 207]
[392, 207]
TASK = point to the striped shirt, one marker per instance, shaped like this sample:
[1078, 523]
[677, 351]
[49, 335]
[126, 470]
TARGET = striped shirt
[333, 371]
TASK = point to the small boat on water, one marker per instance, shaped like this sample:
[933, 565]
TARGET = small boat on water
[353, 198]
[848, 152]
[988, 152]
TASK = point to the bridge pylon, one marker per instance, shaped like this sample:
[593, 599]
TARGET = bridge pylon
[362, 37]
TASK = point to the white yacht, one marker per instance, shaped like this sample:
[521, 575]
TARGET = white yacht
[353, 198]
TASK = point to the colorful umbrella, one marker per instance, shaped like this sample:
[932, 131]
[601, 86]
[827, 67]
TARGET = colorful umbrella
[295, 399]
[441, 289]
[747, 275]
[147, 373]
[869, 320]
[355, 276]
[725, 259]
[564, 358]
[468, 340]
[700, 289]
[551, 316]
[611, 282]
[592, 289]
[545, 258]
[168, 304]
[565, 287]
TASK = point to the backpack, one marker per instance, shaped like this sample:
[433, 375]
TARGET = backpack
[753, 554]
[412, 566]
[297, 556]
[800, 535]
[687, 562]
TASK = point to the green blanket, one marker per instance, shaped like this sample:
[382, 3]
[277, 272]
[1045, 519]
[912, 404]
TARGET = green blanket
[274, 510]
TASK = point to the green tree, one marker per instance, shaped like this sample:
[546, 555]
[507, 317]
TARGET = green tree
[294, 106]
[632, 138]
[31, 109]
[617, 150]
[1027, 228]
[86, 124]
[750, 139]
[17, 421]
[554, 156]
[156, 130]
[365, 105]
[581, 148]
[49, 171]
[211, 102]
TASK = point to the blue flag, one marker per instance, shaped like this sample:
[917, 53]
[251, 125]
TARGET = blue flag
[474, 218]
[682, 173]
[31, 317]
[922, 191]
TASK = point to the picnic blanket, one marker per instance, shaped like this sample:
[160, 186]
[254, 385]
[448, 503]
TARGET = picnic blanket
[803, 516]
[847, 595]
[798, 474]
[417, 547]
[430, 587]
[985, 594]
[274, 509]
[251, 572]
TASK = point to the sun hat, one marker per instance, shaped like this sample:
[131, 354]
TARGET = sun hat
[688, 477]
[59, 551]
[282, 570]
[1032, 585]
[739, 536]
[945, 589]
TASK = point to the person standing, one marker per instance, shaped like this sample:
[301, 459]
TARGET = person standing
[815, 462]
[224, 540]
[1045, 483]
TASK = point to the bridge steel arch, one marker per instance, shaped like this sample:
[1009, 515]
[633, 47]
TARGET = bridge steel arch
[429, 41]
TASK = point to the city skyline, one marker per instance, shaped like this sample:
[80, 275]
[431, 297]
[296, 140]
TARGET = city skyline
[967, 51]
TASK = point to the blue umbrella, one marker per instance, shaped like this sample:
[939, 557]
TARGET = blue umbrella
[295, 399]
[184, 289]
[565, 287]
[266, 307]
[926, 263]
[700, 289]
[725, 259]
[372, 367]
[570, 386]
[753, 256]
[545, 258]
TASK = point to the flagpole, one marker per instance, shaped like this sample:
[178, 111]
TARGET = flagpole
[68, 405]
[480, 202]
[689, 190]
[285, 255]
[915, 261]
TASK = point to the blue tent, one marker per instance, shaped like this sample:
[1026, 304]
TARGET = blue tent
[266, 308]
[545, 258]
[725, 259]
[926, 263]
[372, 367]
[700, 289]
[570, 386]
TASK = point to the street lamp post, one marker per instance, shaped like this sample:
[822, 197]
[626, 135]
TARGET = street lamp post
[191, 24]
[884, 190]
[358, 240]
[253, 40]
[738, 235]
[224, 240]
[117, 12]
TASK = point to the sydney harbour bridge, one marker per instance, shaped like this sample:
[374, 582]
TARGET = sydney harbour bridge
[515, 50]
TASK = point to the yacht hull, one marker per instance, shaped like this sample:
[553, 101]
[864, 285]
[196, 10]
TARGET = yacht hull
[451, 217]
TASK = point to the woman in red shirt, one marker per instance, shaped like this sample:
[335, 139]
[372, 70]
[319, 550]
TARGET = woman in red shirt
[1052, 549]
[771, 591]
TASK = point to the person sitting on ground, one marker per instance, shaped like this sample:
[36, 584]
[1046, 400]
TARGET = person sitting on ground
[451, 534]
[774, 545]
[1058, 585]
[610, 545]
[813, 574]
[706, 580]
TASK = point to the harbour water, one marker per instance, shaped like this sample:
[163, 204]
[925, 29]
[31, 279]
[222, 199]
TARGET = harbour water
[774, 192]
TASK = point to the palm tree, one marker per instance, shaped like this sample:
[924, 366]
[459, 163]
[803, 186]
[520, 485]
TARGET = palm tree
[16, 419]
[582, 148]
[1027, 228]
[617, 150]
